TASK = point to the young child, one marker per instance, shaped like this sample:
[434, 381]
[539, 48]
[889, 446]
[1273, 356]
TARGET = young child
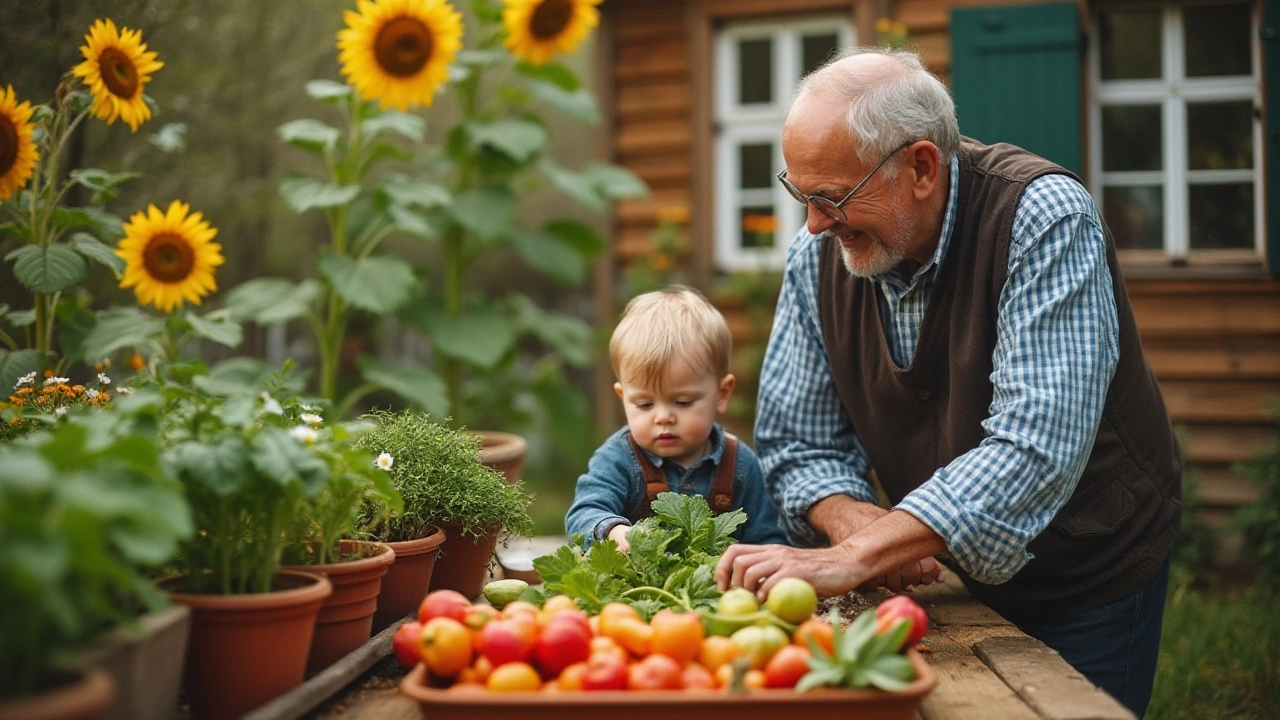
[670, 354]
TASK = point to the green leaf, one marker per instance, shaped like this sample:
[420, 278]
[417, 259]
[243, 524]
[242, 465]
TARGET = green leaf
[105, 224]
[552, 72]
[118, 328]
[284, 460]
[479, 336]
[413, 192]
[217, 327]
[558, 564]
[271, 301]
[328, 91]
[69, 218]
[890, 672]
[481, 57]
[379, 284]
[418, 385]
[566, 335]
[411, 127]
[105, 185]
[606, 559]
[578, 104]
[311, 135]
[830, 676]
[614, 182]
[488, 212]
[98, 251]
[47, 269]
[218, 466]
[722, 529]
[518, 139]
[21, 318]
[304, 193]
[15, 364]
[74, 325]
[684, 512]
[549, 254]
[411, 222]
[856, 636]
[577, 234]
[23, 468]
[572, 184]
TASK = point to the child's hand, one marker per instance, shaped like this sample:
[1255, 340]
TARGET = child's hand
[619, 535]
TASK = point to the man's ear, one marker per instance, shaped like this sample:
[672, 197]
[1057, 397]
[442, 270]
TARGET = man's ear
[724, 393]
[617, 387]
[924, 163]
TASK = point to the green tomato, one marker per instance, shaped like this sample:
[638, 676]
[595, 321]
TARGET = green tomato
[757, 644]
[737, 601]
[793, 600]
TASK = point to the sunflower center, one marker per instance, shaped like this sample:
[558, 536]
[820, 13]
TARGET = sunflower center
[8, 144]
[403, 46]
[118, 73]
[551, 17]
[168, 257]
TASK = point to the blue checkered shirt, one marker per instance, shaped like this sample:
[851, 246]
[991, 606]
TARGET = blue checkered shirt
[1055, 355]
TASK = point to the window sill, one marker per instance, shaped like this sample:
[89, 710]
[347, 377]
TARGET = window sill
[1251, 271]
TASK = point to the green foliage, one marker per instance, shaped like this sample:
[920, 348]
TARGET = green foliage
[85, 513]
[671, 562]
[437, 472]
[862, 657]
[1259, 521]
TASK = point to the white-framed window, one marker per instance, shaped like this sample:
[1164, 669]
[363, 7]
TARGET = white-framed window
[757, 66]
[1175, 139]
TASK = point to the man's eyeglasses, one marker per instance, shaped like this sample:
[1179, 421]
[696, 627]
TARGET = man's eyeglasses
[831, 208]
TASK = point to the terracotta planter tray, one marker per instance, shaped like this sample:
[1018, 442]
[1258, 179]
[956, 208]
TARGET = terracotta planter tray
[621, 705]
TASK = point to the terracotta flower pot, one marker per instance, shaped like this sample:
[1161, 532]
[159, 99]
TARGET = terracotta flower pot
[409, 577]
[85, 697]
[246, 649]
[346, 618]
[463, 564]
[503, 452]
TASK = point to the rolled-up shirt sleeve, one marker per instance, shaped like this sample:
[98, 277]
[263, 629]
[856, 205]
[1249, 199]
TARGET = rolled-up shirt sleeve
[806, 444]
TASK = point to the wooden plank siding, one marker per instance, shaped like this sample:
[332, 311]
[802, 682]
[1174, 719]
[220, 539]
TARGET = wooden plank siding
[1214, 344]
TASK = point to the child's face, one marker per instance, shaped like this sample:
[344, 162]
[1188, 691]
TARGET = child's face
[676, 422]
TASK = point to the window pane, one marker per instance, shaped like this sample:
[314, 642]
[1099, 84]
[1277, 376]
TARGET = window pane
[758, 226]
[1135, 216]
[1129, 44]
[755, 165]
[1131, 138]
[1221, 216]
[1217, 40]
[755, 71]
[1220, 135]
[817, 49]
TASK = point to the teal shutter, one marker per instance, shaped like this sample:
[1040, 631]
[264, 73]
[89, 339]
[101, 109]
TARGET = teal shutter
[1271, 138]
[1015, 76]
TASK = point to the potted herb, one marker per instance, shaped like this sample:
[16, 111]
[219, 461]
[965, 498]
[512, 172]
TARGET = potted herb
[437, 471]
[85, 512]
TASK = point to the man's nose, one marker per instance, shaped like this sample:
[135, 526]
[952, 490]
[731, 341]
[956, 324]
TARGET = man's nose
[818, 221]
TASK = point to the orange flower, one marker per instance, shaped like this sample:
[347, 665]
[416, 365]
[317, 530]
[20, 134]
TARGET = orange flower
[137, 362]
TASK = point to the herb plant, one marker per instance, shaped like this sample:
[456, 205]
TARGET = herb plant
[862, 657]
[671, 563]
[437, 472]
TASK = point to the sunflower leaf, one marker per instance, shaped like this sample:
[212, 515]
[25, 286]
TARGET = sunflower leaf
[614, 182]
[519, 140]
[550, 254]
[578, 104]
[47, 269]
[98, 251]
[379, 284]
[14, 365]
[569, 336]
[478, 336]
[552, 72]
[481, 57]
[578, 234]
[305, 193]
[328, 91]
[117, 328]
[217, 327]
[271, 301]
[310, 135]
[105, 185]
[418, 385]
[410, 191]
[488, 212]
[411, 127]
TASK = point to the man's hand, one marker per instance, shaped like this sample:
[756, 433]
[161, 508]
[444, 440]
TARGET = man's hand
[759, 567]
[618, 533]
[921, 572]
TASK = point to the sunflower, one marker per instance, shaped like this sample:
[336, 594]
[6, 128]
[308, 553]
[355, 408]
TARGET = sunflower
[169, 257]
[538, 29]
[116, 66]
[17, 150]
[398, 51]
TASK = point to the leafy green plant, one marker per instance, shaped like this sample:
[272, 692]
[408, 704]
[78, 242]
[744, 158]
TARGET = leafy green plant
[1259, 521]
[86, 512]
[671, 562]
[435, 469]
[862, 657]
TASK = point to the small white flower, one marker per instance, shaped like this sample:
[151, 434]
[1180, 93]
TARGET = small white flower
[308, 408]
[91, 393]
[125, 391]
[27, 379]
[311, 419]
[304, 434]
[55, 381]
[59, 411]
[103, 379]
[384, 461]
[269, 405]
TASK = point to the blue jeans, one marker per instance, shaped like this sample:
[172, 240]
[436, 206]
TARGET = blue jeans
[1115, 645]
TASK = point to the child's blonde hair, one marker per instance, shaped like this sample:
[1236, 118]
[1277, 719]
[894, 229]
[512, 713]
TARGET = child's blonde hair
[659, 327]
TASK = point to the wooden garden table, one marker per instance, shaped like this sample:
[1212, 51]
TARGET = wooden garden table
[987, 670]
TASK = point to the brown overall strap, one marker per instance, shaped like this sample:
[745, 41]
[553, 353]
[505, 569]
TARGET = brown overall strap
[656, 481]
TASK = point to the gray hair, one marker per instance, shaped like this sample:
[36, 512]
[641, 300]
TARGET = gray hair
[882, 113]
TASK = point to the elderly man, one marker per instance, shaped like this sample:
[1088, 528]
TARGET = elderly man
[954, 317]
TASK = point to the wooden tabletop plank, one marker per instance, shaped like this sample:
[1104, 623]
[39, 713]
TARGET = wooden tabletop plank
[967, 689]
[1040, 676]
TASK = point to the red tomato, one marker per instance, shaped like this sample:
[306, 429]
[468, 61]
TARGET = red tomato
[696, 677]
[605, 672]
[656, 672]
[677, 635]
[562, 643]
[405, 644]
[443, 603]
[786, 667]
[506, 641]
[902, 607]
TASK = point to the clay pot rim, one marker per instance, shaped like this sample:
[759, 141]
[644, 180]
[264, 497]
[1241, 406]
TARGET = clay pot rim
[92, 689]
[499, 446]
[385, 557]
[310, 587]
[419, 546]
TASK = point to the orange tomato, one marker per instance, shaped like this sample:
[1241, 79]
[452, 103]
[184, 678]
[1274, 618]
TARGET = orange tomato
[519, 607]
[819, 630]
[677, 635]
[445, 646]
[715, 652]
[571, 679]
[611, 614]
[634, 635]
[696, 677]
[608, 646]
[514, 677]
[482, 668]
[656, 672]
[754, 680]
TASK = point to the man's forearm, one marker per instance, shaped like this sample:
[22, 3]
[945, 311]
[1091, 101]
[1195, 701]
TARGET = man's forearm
[892, 542]
[839, 516]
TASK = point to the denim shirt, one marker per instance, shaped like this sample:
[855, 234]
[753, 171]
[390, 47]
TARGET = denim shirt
[610, 492]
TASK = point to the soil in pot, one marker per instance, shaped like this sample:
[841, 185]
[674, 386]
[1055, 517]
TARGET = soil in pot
[503, 452]
[409, 577]
[463, 564]
[246, 649]
[82, 697]
[345, 621]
